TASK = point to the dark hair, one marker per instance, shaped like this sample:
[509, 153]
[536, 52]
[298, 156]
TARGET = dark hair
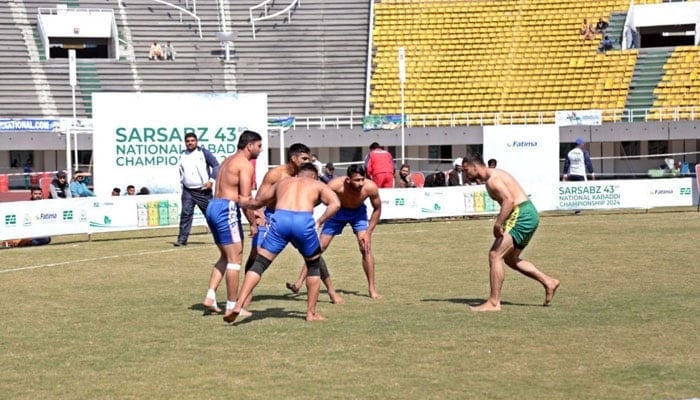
[116, 189]
[308, 167]
[296, 149]
[473, 159]
[493, 161]
[144, 190]
[248, 137]
[189, 135]
[440, 179]
[374, 145]
[130, 187]
[357, 169]
[406, 166]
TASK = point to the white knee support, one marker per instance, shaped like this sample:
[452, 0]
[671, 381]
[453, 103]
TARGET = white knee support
[233, 267]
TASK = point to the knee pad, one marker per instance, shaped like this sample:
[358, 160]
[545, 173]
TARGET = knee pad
[324, 269]
[249, 264]
[316, 266]
[260, 265]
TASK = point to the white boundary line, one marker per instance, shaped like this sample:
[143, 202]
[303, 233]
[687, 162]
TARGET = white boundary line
[86, 260]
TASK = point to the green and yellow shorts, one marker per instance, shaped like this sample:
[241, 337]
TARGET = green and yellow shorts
[522, 223]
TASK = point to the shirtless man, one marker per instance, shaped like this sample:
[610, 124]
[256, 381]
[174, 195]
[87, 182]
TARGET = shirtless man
[292, 221]
[514, 227]
[352, 190]
[233, 187]
[297, 154]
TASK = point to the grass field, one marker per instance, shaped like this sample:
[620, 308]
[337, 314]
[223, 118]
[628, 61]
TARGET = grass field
[120, 317]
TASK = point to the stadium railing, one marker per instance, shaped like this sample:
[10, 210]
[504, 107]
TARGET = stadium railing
[622, 115]
[264, 5]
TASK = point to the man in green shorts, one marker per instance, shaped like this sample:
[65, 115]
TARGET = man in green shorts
[514, 227]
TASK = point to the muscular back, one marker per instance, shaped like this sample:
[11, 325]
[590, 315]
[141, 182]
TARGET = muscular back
[501, 185]
[235, 177]
[299, 193]
[272, 177]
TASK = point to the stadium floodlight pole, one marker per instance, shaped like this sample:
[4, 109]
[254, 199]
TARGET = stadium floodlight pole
[402, 79]
[72, 78]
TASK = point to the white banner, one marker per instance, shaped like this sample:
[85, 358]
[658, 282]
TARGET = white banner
[138, 137]
[25, 219]
[528, 152]
[578, 117]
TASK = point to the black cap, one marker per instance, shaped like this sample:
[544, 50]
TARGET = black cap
[61, 174]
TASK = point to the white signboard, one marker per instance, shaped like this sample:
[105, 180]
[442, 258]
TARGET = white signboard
[528, 152]
[578, 117]
[138, 137]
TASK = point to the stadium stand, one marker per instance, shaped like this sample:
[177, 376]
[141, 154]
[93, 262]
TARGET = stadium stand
[496, 57]
[679, 87]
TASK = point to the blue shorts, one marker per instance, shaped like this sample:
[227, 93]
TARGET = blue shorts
[356, 217]
[224, 220]
[297, 227]
[262, 230]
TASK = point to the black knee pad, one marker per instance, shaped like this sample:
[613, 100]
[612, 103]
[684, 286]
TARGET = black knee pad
[325, 274]
[316, 266]
[249, 264]
[260, 265]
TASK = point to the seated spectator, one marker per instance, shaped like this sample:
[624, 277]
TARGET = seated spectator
[436, 180]
[155, 52]
[116, 192]
[492, 163]
[78, 188]
[328, 174]
[404, 179]
[59, 187]
[169, 51]
[584, 27]
[34, 194]
[605, 45]
[130, 190]
[144, 190]
[601, 26]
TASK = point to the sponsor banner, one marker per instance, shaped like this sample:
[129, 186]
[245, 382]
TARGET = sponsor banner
[138, 137]
[29, 125]
[25, 219]
[578, 117]
[370, 122]
[647, 193]
[530, 153]
[287, 122]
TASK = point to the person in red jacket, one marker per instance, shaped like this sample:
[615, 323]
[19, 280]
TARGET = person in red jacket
[380, 166]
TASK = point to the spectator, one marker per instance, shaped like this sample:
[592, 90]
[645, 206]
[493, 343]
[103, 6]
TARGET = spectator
[328, 175]
[130, 190]
[492, 163]
[404, 179]
[577, 164]
[34, 194]
[116, 192]
[198, 171]
[436, 180]
[318, 164]
[15, 163]
[380, 166]
[59, 187]
[456, 176]
[78, 188]
[587, 31]
[169, 51]
[605, 45]
[601, 26]
[144, 190]
[155, 52]
[584, 27]
[27, 172]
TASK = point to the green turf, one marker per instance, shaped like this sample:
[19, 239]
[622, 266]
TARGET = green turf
[120, 317]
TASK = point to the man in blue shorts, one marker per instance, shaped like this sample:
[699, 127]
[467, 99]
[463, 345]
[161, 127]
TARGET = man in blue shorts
[515, 225]
[292, 221]
[352, 190]
[233, 187]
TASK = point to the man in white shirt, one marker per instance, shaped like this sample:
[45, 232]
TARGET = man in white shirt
[578, 165]
[198, 171]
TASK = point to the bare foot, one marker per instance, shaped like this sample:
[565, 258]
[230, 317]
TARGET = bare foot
[231, 315]
[314, 317]
[292, 287]
[550, 289]
[210, 304]
[336, 299]
[375, 295]
[486, 306]
[245, 313]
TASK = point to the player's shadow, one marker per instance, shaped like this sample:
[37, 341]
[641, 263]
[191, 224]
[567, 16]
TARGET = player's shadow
[351, 292]
[274, 312]
[476, 302]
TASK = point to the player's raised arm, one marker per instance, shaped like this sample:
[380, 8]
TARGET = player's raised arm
[332, 202]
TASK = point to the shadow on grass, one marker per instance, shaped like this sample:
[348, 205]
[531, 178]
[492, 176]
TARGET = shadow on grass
[274, 312]
[476, 302]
